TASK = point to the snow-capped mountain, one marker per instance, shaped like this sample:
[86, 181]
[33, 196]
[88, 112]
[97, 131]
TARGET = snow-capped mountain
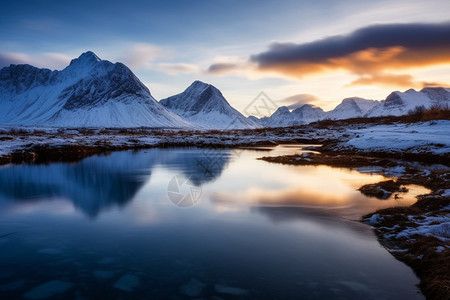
[398, 103]
[308, 113]
[90, 92]
[282, 117]
[351, 108]
[204, 105]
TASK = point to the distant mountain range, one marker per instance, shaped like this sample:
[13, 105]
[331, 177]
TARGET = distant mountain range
[396, 104]
[91, 92]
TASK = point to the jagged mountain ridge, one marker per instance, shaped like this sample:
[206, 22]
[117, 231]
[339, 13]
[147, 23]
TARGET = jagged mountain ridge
[396, 104]
[304, 114]
[351, 108]
[204, 105]
[90, 92]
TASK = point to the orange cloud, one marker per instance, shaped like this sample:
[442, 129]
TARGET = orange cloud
[375, 54]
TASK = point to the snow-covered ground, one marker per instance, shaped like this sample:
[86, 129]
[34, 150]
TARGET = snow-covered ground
[435, 226]
[130, 138]
[431, 137]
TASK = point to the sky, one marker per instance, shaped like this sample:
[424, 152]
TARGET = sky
[297, 52]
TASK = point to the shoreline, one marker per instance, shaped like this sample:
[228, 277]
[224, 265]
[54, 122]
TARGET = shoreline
[352, 137]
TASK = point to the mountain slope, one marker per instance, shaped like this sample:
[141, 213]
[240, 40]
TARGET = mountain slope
[351, 108]
[90, 92]
[282, 117]
[398, 103]
[204, 105]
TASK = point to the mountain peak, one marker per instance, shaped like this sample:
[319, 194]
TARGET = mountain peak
[282, 110]
[204, 105]
[198, 86]
[199, 83]
[87, 58]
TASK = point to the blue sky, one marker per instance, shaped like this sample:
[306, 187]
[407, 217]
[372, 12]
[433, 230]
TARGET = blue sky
[169, 44]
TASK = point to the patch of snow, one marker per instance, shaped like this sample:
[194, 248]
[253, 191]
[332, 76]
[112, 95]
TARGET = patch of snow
[441, 231]
[374, 219]
[440, 249]
[395, 171]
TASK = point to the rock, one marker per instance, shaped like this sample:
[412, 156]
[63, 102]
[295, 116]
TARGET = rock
[48, 289]
[193, 288]
[127, 283]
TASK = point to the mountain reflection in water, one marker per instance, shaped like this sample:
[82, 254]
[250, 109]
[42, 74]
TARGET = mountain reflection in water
[99, 182]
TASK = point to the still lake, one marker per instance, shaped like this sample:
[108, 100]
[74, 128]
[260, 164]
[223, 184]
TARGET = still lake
[188, 223]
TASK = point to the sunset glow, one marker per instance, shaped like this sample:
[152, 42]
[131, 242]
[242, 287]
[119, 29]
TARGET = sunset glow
[288, 49]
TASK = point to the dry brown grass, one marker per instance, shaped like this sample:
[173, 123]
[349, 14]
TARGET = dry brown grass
[421, 114]
[431, 267]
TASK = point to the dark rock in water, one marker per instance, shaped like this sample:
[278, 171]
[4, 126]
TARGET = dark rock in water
[193, 288]
[382, 190]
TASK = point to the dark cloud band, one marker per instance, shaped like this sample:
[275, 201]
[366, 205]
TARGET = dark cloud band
[411, 36]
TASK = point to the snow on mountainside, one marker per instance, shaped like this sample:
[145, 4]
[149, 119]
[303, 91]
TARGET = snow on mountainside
[90, 92]
[308, 113]
[398, 103]
[204, 105]
[351, 108]
[283, 117]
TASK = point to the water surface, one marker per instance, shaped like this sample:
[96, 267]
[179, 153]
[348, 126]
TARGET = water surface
[107, 227]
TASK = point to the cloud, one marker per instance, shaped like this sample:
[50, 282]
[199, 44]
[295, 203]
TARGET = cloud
[43, 60]
[177, 68]
[385, 79]
[221, 68]
[297, 101]
[375, 53]
[142, 55]
[435, 84]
